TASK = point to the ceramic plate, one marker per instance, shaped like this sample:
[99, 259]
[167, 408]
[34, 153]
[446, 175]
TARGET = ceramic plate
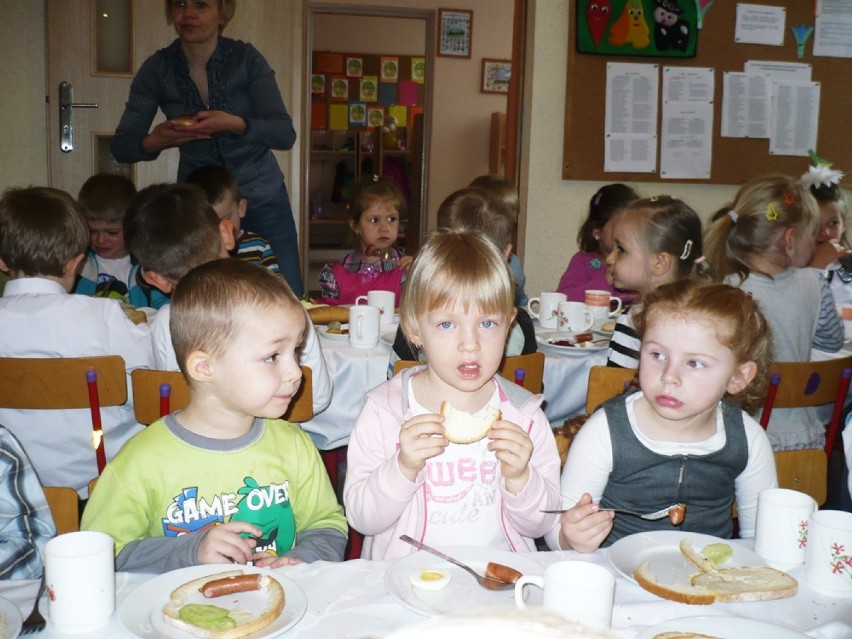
[462, 593]
[322, 329]
[388, 338]
[12, 619]
[722, 627]
[661, 548]
[546, 343]
[141, 611]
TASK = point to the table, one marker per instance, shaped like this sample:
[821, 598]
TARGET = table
[354, 371]
[349, 599]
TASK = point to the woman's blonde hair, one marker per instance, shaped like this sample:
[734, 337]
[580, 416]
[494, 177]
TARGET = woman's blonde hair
[739, 324]
[456, 268]
[227, 9]
[755, 222]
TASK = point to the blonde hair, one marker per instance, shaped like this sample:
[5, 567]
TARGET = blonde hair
[762, 210]
[227, 9]
[453, 268]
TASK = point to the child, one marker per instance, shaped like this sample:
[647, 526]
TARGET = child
[683, 439]
[223, 193]
[833, 253]
[375, 208]
[655, 240]
[587, 269]
[760, 246]
[172, 228]
[506, 191]
[403, 475]
[43, 237]
[224, 479]
[109, 270]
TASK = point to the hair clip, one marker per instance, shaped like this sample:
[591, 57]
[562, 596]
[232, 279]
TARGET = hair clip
[733, 215]
[597, 198]
[653, 198]
[375, 178]
[687, 249]
[821, 176]
[788, 197]
[771, 212]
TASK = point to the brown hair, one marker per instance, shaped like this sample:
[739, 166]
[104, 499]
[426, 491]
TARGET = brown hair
[216, 182]
[739, 324]
[605, 203]
[502, 188]
[41, 229]
[372, 189]
[105, 196]
[477, 210]
[227, 9]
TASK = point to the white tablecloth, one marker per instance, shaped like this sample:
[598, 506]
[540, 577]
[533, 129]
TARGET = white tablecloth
[355, 371]
[349, 600]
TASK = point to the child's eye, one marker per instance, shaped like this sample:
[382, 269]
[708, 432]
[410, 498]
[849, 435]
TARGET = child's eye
[373, 220]
[271, 359]
[445, 324]
[489, 323]
[694, 363]
[391, 219]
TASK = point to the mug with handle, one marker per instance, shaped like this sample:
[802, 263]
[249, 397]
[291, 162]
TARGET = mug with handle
[383, 300]
[574, 317]
[548, 309]
[364, 326]
[599, 302]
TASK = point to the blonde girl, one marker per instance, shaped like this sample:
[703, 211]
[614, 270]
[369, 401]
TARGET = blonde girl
[403, 474]
[761, 245]
[655, 240]
[686, 436]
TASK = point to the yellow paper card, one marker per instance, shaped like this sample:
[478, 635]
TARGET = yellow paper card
[338, 117]
[400, 113]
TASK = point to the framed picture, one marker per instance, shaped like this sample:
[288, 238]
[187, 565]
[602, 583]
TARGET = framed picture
[495, 76]
[389, 69]
[455, 28]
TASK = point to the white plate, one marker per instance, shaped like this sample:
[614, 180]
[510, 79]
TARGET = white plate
[545, 339]
[661, 549]
[463, 593]
[388, 338]
[12, 617]
[723, 628]
[322, 329]
[141, 611]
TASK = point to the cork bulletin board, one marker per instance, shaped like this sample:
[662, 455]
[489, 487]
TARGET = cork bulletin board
[734, 160]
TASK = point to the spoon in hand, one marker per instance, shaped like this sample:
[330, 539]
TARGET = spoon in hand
[664, 512]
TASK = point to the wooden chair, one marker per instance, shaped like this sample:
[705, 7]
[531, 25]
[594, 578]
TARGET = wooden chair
[532, 364]
[803, 470]
[605, 382]
[52, 383]
[64, 507]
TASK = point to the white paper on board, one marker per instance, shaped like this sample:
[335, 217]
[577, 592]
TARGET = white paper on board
[686, 136]
[630, 127]
[760, 24]
[833, 28]
[795, 118]
[746, 100]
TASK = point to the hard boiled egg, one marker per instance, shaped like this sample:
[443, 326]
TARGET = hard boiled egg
[430, 579]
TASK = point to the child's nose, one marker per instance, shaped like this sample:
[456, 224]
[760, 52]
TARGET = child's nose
[292, 372]
[670, 375]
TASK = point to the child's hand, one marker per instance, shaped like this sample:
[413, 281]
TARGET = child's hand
[513, 448]
[584, 527]
[420, 438]
[405, 262]
[223, 544]
[267, 560]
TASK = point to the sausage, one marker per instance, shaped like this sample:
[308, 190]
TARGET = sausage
[676, 514]
[230, 585]
[502, 573]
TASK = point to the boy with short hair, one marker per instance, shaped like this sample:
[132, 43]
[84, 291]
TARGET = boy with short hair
[224, 479]
[223, 193]
[109, 269]
[43, 237]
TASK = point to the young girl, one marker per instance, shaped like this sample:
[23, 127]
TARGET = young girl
[761, 244]
[375, 208]
[587, 269]
[403, 475]
[678, 440]
[833, 254]
[655, 240]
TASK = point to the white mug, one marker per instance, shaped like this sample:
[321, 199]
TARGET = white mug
[79, 570]
[828, 558]
[383, 300]
[781, 529]
[578, 590]
[574, 317]
[599, 302]
[548, 309]
[364, 326]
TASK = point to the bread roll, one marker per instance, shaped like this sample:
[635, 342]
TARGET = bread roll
[326, 314]
[463, 428]
[183, 120]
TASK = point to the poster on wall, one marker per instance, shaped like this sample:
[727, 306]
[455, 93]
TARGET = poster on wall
[659, 28]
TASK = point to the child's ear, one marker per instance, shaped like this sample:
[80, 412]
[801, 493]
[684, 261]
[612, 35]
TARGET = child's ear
[228, 235]
[243, 207]
[70, 268]
[158, 281]
[789, 238]
[507, 252]
[743, 374]
[662, 264]
[198, 366]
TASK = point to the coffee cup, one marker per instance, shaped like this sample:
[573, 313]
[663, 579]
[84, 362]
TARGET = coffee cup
[828, 557]
[364, 326]
[599, 303]
[781, 528]
[79, 570]
[578, 590]
[548, 309]
[383, 300]
[574, 317]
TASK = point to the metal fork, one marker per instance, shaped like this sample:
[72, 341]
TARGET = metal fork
[485, 582]
[649, 516]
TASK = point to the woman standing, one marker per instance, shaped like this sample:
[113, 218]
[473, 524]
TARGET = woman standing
[232, 116]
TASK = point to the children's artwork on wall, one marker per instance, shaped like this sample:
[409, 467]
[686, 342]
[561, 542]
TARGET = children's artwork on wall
[375, 115]
[455, 27]
[369, 88]
[339, 89]
[389, 69]
[357, 114]
[317, 84]
[327, 62]
[354, 67]
[418, 70]
[495, 76]
[658, 28]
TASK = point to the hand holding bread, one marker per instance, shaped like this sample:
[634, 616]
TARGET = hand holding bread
[420, 438]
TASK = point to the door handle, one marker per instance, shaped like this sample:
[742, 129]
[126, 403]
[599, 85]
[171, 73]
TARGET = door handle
[66, 115]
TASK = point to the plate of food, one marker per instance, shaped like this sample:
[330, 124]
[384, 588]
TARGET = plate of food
[604, 327]
[431, 586]
[334, 330]
[572, 344]
[246, 602]
[712, 627]
[10, 619]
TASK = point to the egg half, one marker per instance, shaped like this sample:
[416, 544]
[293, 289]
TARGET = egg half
[430, 579]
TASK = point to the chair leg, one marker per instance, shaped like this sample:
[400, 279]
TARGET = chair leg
[356, 541]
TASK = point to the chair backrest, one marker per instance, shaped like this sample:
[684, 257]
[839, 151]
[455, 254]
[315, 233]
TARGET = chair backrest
[800, 384]
[804, 470]
[605, 382]
[532, 364]
[64, 507]
[148, 408]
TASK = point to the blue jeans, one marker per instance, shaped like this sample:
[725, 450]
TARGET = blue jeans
[273, 219]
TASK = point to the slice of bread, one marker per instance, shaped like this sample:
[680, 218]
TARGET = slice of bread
[683, 593]
[682, 635]
[698, 560]
[754, 583]
[463, 428]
